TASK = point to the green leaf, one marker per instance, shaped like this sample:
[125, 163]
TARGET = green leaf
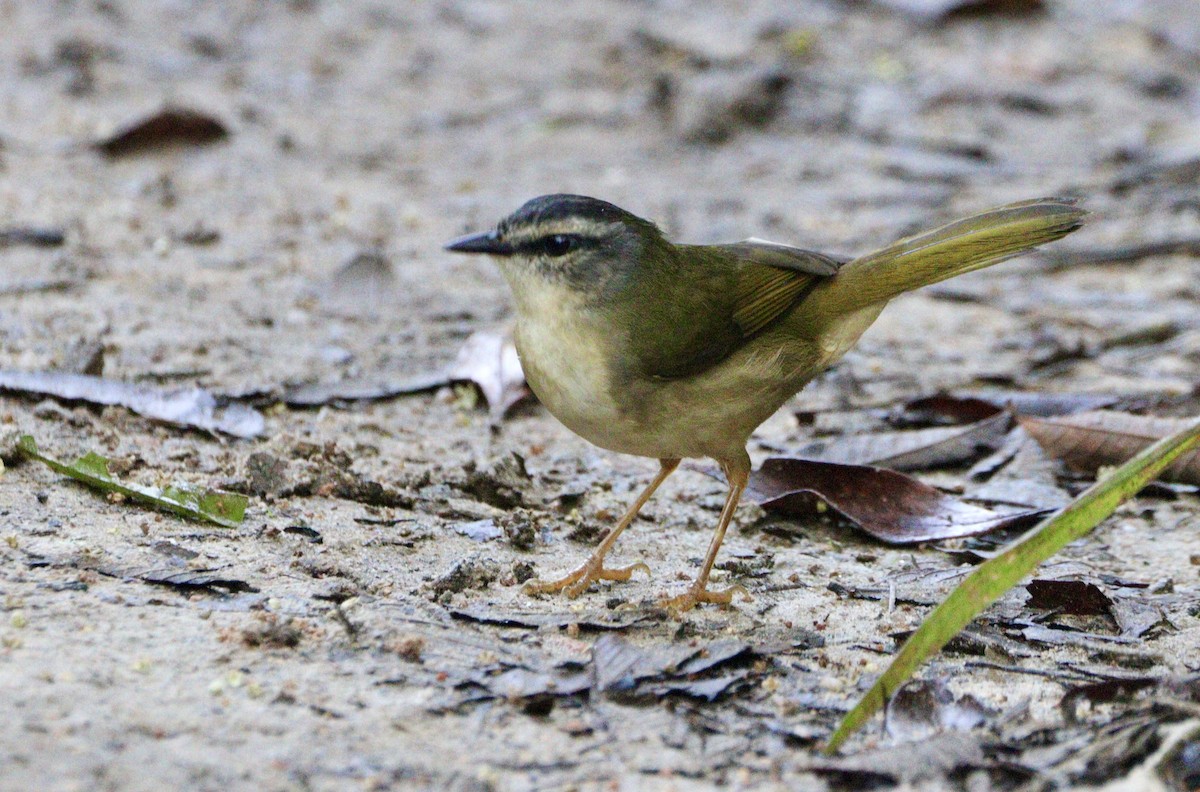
[993, 578]
[223, 508]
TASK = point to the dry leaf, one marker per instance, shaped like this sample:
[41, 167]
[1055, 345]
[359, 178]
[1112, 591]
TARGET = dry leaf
[1075, 597]
[172, 126]
[322, 393]
[183, 406]
[487, 359]
[974, 405]
[490, 361]
[917, 449]
[890, 506]
[1092, 440]
[937, 10]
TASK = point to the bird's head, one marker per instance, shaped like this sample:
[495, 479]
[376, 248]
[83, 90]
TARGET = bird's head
[585, 244]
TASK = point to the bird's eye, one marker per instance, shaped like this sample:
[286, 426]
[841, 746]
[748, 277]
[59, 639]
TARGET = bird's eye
[558, 244]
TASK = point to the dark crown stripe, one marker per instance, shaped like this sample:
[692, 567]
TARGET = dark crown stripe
[548, 209]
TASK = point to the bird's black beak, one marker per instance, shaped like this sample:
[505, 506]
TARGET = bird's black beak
[488, 242]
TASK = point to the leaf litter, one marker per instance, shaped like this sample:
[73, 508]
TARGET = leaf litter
[1077, 597]
[194, 407]
[889, 506]
[1101, 438]
[992, 579]
[916, 449]
[488, 360]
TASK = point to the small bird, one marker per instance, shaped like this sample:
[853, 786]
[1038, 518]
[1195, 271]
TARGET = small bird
[673, 351]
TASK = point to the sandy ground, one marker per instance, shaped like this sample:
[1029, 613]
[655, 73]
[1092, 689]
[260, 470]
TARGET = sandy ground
[398, 651]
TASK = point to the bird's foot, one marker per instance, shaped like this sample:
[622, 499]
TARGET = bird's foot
[679, 605]
[577, 581]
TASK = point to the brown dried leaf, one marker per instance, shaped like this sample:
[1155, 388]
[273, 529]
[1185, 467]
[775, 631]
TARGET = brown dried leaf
[917, 449]
[1075, 597]
[938, 10]
[171, 126]
[890, 506]
[943, 406]
[1092, 440]
[974, 405]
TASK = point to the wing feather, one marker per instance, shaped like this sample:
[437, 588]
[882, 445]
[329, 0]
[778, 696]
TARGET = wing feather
[739, 291]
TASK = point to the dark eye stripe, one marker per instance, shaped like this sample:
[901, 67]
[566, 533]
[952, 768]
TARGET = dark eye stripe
[553, 245]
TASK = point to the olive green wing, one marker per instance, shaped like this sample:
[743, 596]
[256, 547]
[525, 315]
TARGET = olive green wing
[771, 280]
[734, 292]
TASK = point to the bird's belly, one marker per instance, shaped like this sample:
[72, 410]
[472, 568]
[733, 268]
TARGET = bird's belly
[567, 369]
[708, 415]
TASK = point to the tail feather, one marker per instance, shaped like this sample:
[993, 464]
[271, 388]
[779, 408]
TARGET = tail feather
[962, 246]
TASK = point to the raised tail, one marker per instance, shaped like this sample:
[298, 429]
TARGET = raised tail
[962, 246]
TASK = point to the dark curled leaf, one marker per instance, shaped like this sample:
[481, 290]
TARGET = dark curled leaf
[920, 449]
[890, 506]
[172, 126]
[1075, 597]
[223, 508]
[949, 407]
[516, 618]
[311, 534]
[321, 393]
[939, 10]
[193, 579]
[974, 405]
[715, 654]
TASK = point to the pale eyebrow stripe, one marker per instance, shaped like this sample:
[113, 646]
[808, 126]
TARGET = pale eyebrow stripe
[566, 227]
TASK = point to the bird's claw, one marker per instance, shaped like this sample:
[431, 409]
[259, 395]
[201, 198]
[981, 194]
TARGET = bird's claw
[579, 580]
[679, 605]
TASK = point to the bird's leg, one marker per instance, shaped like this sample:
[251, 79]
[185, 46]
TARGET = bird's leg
[737, 471]
[577, 581]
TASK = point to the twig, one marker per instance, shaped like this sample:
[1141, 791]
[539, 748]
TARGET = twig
[1057, 676]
